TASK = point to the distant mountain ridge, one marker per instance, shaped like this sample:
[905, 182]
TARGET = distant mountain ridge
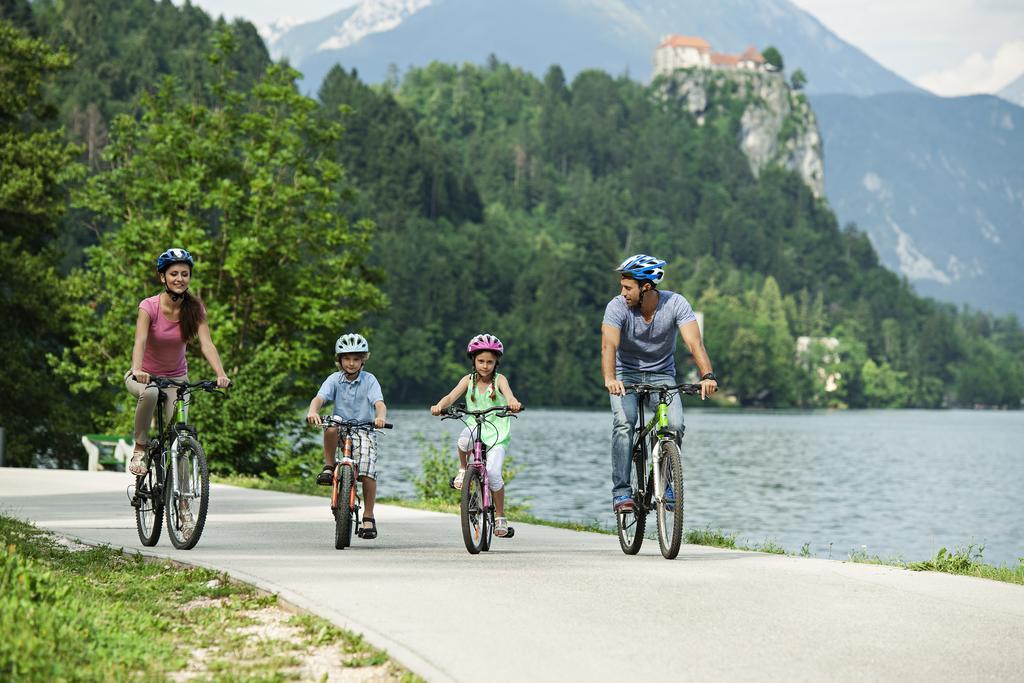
[614, 35]
[938, 185]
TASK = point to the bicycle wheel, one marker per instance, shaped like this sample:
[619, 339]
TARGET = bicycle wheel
[475, 528]
[631, 523]
[670, 514]
[188, 494]
[149, 506]
[343, 513]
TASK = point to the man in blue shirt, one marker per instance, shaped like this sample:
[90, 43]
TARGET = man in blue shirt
[638, 343]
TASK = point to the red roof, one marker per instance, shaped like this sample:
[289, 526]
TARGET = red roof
[752, 55]
[686, 41]
[719, 59]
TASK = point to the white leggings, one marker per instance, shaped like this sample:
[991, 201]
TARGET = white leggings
[495, 456]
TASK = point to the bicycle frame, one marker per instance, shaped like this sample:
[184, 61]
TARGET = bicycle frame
[346, 461]
[657, 429]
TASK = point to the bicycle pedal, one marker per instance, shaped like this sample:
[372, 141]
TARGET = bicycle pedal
[510, 534]
[451, 483]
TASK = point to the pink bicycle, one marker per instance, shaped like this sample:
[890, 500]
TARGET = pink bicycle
[477, 509]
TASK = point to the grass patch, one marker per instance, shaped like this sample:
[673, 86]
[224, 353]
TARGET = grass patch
[967, 562]
[99, 614]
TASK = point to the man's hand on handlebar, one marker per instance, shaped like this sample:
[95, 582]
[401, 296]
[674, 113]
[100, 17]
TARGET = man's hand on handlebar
[141, 377]
[615, 387]
[707, 387]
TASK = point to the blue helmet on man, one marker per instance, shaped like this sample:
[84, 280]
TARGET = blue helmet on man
[643, 268]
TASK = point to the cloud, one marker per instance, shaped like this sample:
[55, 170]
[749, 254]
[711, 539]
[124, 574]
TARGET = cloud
[977, 74]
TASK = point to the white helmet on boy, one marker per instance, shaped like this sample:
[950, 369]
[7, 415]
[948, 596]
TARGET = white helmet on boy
[351, 343]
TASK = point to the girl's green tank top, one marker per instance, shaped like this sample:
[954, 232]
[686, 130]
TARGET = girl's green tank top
[497, 431]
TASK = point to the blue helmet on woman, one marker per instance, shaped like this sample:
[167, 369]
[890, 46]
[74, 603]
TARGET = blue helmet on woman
[174, 255]
[642, 267]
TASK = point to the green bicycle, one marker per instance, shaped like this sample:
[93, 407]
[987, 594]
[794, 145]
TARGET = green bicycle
[657, 481]
[177, 479]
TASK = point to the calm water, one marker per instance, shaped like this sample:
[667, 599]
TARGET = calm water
[896, 483]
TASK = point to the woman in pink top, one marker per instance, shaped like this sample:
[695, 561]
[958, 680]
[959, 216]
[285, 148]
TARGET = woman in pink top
[166, 323]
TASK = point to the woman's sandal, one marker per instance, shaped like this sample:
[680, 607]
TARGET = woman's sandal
[370, 533]
[457, 481]
[137, 464]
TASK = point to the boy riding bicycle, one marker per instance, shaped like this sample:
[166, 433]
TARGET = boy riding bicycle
[357, 396]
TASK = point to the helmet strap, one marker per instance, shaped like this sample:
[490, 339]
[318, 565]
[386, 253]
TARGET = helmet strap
[174, 295]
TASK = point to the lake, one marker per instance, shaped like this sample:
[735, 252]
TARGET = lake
[891, 483]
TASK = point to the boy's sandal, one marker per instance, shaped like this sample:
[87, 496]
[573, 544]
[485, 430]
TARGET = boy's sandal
[501, 527]
[326, 476]
[457, 482]
[370, 533]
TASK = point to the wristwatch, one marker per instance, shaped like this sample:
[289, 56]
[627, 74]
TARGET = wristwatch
[708, 375]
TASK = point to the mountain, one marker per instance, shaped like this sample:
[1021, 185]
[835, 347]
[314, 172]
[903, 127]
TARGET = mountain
[938, 185]
[1014, 92]
[614, 35]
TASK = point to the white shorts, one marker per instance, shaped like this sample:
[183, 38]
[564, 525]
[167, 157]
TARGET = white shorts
[495, 457]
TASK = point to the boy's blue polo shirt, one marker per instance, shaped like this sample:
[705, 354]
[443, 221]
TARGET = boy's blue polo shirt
[353, 400]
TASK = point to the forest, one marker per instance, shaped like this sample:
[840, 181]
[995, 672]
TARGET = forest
[450, 200]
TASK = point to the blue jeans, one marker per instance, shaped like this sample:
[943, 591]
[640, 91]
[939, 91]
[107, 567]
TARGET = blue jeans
[624, 417]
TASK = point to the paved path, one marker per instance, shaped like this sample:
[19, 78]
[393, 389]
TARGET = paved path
[563, 605]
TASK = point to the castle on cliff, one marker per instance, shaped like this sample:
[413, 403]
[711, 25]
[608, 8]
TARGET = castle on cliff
[680, 52]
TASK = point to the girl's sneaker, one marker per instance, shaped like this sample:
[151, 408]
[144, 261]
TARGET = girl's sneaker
[457, 481]
[500, 527]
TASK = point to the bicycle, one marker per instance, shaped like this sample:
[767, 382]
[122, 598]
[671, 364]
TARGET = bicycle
[177, 476]
[476, 507]
[344, 499]
[650, 480]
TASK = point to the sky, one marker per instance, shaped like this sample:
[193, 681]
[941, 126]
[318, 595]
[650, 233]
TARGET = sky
[950, 47]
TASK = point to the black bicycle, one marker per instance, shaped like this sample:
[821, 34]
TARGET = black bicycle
[177, 478]
[657, 481]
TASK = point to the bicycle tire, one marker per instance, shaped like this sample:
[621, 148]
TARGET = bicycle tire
[343, 513]
[192, 476]
[632, 523]
[474, 516]
[149, 515]
[670, 521]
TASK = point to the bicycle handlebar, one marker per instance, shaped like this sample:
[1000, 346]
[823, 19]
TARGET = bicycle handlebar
[166, 382]
[456, 411]
[691, 389]
[332, 421]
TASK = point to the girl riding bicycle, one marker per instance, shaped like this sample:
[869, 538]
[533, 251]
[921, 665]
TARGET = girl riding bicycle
[166, 323]
[485, 388]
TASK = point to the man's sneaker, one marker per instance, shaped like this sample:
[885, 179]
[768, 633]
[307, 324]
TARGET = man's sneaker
[623, 503]
[326, 476]
[669, 498]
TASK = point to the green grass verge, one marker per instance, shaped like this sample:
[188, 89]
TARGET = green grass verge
[99, 614]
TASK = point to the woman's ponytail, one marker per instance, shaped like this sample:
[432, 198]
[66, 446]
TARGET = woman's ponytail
[193, 313]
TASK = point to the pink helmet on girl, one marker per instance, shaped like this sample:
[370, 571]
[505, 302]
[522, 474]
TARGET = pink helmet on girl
[484, 342]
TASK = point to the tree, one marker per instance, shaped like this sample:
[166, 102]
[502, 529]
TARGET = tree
[798, 80]
[244, 185]
[773, 58]
[36, 167]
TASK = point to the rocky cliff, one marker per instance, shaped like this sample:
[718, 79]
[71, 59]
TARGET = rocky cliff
[775, 123]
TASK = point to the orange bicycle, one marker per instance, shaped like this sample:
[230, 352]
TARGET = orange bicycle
[345, 502]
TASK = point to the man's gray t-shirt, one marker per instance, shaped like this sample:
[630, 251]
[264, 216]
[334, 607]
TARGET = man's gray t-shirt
[643, 346]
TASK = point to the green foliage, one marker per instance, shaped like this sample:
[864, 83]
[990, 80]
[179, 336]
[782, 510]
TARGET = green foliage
[243, 185]
[438, 465]
[37, 167]
[773, 57]
[798, 80]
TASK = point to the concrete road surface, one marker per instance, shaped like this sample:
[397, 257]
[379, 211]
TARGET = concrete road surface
[553, 604]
